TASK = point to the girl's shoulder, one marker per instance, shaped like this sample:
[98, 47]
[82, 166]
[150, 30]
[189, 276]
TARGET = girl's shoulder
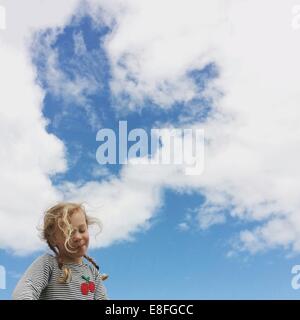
[46, 259]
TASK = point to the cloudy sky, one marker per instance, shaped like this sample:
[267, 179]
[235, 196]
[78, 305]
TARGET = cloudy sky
[231, 68]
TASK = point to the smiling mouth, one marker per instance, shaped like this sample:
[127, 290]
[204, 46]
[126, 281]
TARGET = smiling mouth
[79, 247]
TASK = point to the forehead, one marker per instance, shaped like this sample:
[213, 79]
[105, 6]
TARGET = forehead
[77, 219]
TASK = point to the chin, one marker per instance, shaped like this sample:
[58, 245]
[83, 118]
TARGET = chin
[82, 251]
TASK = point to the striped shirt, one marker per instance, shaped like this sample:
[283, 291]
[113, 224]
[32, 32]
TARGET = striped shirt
[40, 282]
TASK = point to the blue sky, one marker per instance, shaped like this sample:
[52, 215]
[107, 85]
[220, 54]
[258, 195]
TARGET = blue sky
[232, 234]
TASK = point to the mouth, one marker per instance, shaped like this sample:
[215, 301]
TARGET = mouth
[80, 247]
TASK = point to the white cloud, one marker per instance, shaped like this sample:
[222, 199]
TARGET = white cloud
[2, 18]
[252, 156]
[183, 226]
[29, 155]
[209, 215]
[79, 44]
[24, 17]
[75, 89]
[125, 205]
[154, 44]
[100, 171]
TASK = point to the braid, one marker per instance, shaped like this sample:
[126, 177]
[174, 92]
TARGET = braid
[66, 276]
[92, 261]
[66, 271]
[60, 262]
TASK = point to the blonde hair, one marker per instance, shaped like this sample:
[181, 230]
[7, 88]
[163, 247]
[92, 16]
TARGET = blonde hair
[58, 216]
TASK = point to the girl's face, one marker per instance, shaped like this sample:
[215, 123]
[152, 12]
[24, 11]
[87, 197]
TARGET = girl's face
[79, 240]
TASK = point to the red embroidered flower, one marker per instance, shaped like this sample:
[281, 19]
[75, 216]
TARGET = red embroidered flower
[92, 286]
[87, 286]
[84, 288]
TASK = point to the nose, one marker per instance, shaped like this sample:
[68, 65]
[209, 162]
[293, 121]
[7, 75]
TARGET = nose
[77, 236]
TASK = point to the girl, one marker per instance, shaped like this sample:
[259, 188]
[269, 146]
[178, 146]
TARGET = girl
[64, 275]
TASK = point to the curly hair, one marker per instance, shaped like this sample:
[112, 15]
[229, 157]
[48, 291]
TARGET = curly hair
[58, 216]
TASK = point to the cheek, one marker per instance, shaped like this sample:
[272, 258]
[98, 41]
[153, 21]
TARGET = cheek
[87, 238]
